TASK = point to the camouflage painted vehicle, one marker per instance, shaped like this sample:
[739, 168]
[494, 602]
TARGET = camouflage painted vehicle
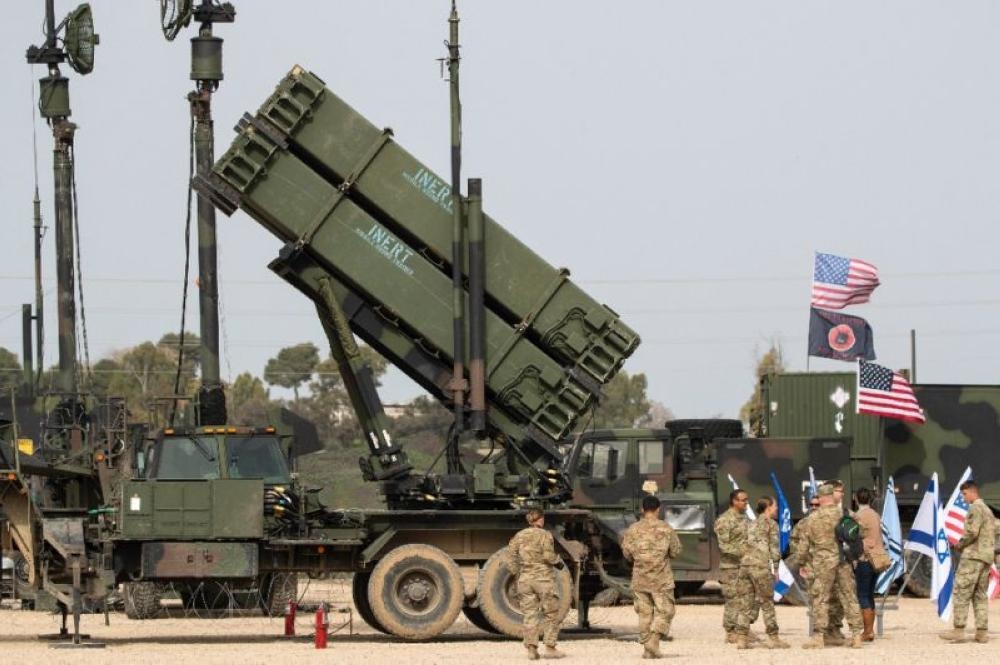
[687, 466]
[962, 429]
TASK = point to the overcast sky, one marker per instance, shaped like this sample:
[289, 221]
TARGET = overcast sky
[683, 159]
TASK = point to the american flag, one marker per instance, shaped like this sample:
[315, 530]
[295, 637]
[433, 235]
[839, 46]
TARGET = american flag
[956, 511]
[882, 392]
[993, 590]
[839, 282]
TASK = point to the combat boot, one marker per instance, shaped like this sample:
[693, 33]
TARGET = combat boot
[834, 638]
[753, 637]
[982, 636]
[552, 652]
[815, 643]
[775, 642]
[956, 634]
[532, 652]
[856, 641]
[651, 649]
[730, 637]
[743, 641]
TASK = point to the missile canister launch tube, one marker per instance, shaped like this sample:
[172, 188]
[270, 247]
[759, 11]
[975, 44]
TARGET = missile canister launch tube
[62, 162]
[477, 309]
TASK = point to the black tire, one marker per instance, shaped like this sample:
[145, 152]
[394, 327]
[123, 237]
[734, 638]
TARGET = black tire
[919, 567]
[687, 587]
[415, 592]
[498, 595]
[716, 428]
[276, 591]
[478, 619]
[359, 590]
[22, 586]
[142, 599]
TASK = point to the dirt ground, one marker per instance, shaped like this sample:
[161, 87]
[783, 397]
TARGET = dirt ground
[910, 636]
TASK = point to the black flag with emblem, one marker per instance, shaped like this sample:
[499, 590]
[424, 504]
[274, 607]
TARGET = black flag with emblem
[839, 336]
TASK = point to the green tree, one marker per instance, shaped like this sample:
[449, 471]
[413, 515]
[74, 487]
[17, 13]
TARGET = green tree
[11, 375]
[249, 400]
[328, 404]
[624, 403]
[293, 366]
[144, 375]
[752, 413]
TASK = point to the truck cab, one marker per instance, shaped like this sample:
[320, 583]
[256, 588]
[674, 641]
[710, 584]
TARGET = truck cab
[209, 453]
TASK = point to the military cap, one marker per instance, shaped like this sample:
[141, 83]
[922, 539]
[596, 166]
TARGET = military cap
[826, 489]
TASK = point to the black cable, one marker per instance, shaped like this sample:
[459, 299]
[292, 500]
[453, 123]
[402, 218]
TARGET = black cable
[187, 270]
[79, 268]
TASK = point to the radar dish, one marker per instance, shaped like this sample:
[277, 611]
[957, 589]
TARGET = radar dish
[80, 39]
[174, 15]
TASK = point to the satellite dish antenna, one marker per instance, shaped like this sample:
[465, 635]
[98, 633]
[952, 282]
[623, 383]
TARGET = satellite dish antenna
[175, 15]
[80, 39]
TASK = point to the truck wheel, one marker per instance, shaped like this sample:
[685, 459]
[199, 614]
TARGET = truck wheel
[22, 588]
[359, 590]
[478, 619]
[416, 592]
[919, 566]
[142, 599]
[276, 590]
[498, 595]
[716, 428]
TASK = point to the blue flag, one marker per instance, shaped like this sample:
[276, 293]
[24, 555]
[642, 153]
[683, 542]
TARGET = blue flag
[784, 515]
[892, 538]
[812, 484]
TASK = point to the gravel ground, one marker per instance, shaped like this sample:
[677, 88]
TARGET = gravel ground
[910, 637]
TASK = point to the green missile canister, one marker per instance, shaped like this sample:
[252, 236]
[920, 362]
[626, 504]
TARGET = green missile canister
[414, 203]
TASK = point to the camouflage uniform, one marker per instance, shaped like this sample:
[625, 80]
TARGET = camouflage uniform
[973, 574]
[830, 575]
[798, 559]
[755, 583]
[650, 543]
[731, 532]
[531, 556]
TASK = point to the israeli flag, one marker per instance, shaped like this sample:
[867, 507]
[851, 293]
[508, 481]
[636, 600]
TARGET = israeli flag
[785, 581]
[892, 538]
[942, 575]
[812, 484]
[784, 516]
[923, 531]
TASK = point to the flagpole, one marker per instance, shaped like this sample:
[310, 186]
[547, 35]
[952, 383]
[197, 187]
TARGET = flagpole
[913, 355]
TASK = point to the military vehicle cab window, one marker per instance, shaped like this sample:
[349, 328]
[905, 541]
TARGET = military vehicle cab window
[184, 458]
[650, 457]
[604, 459]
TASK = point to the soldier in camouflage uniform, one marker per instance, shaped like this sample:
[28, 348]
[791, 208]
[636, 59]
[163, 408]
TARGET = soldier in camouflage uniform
[830, 575]
[531, 557]
[650, 544]
[731, 533]
[973, 574]
[797, 559]
[755, 583]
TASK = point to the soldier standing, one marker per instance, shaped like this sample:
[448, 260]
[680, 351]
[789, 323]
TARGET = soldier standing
[531, 557]
[755, 583]
[972, 577]
[650, 544]
[731, 532]
[798, 558]
[830, 574]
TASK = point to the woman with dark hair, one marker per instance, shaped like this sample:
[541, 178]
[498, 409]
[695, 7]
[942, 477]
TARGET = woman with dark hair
[865, 574]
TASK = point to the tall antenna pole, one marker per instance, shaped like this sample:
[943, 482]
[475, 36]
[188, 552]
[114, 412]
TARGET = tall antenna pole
[459, 385]
[206, 71]
[39, 309]
[54, 107]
